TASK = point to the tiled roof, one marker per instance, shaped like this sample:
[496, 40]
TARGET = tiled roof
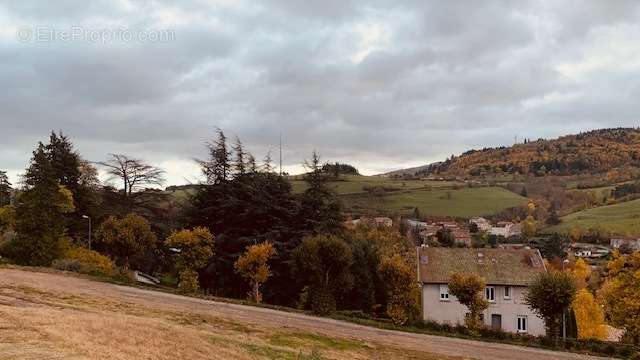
[496, 266]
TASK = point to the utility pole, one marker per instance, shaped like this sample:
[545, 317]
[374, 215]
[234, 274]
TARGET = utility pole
[88, 218]
[280, 153]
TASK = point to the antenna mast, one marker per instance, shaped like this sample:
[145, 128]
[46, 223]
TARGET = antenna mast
[280, 153]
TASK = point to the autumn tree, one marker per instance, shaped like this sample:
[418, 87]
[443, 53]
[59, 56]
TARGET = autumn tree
[620, 295]
[401, 289]
[194, 249]
[468, 289]
[580, 271]
[589, 316]
[125, 238]
[132, 173]
[7, 218]
[40, 213]
[5, 189]
[549, 296]
[322, 263]
[252, 265]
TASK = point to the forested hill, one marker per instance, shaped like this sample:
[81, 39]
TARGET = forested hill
[596, 151]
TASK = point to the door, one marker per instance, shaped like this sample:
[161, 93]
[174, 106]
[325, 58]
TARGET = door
[496, 321]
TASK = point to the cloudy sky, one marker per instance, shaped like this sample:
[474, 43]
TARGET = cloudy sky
[379, 84]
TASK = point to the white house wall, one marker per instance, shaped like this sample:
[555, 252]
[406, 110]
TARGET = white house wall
[453, 312]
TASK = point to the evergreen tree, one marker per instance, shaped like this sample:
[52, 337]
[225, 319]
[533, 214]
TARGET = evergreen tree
[217, 168]
[267, 163]
[321, 209]
[5, 189]
[240, 163]
[67, 168]
[40, 213]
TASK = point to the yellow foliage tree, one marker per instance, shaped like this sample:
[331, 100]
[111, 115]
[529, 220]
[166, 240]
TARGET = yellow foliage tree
[620, 294]
[401, 289]
[252, 265]
[529, 226]
[7, 218]
[589, 316]
[468, 289]
[575, 234]
[581, 272]
[194, 249]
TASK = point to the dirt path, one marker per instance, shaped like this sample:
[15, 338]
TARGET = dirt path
[285, 320]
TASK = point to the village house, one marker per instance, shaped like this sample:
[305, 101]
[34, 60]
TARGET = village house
[506, 229]
[481, 223]
[630, 243]
[462, 236]
[507, 273]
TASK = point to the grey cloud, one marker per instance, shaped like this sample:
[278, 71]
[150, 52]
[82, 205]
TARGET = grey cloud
[441, 77]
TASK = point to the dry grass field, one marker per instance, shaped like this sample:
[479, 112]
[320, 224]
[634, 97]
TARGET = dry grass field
[49, 324]
[48, 315]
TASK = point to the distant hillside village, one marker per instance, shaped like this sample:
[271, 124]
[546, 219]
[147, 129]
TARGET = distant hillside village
[480, 232]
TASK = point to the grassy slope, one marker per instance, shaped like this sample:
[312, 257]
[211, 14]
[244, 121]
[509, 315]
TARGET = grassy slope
[355, 184]
[623, 218]
[429, 196]
[465, 202]
[41, 324]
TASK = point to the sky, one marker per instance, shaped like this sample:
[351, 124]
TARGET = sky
[381, 85]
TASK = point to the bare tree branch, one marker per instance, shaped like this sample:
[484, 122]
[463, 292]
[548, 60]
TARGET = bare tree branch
[133, 173]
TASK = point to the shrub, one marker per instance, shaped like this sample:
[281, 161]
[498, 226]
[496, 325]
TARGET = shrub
[188, 282]
[90, 262]
[66, 265]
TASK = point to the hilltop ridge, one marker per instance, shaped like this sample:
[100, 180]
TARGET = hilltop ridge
[595, 151]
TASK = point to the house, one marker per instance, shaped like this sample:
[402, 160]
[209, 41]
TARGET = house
[481, 223]
[506, 229]
[428, 232]
[461, 236]
[583, 253]
[507, 273]
[417, 224]
[447, 224]
[630, 243]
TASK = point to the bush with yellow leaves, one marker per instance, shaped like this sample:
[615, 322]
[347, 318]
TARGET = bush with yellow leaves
[90, 262]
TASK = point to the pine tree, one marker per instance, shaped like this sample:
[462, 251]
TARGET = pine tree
[217, 168]
[40, 213]
[240, 164]
[67, 167]
[267, 163]
[321, 209]
[5, 189]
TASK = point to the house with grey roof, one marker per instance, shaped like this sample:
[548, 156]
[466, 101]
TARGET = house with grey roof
[507, 273]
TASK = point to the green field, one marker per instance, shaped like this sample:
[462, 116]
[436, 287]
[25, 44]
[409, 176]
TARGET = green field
[352, 184]
[465, 202]
[437, 198]
[622, 219]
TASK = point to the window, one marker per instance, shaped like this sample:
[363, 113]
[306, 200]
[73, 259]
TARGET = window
[490, 293]
[444, 292]
[507, 292]
[522, 324]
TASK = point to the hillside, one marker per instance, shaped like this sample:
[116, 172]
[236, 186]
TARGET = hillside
[378, 195]
[593, 152]
[621, 219]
